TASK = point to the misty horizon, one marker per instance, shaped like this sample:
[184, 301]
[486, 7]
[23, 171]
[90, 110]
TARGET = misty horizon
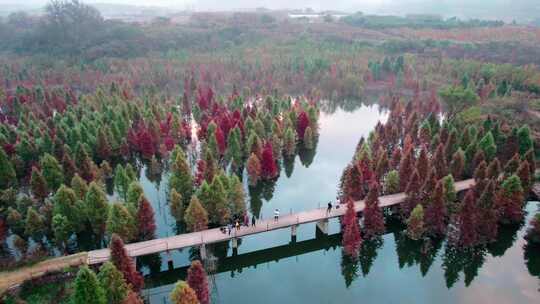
[498, 9]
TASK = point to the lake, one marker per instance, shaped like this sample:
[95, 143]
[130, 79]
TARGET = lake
[273, 268]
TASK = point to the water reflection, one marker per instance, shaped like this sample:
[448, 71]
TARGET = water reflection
[451, 263]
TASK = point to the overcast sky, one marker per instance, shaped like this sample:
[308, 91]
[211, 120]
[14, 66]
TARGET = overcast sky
[503, 9]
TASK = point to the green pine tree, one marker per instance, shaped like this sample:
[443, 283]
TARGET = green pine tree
[52, 171]
[87, 288]
[181, 179]
[8, 177]
[121, 222]
[113, 283]
[97, 208]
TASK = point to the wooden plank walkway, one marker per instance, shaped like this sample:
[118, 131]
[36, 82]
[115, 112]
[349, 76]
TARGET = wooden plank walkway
[12, 278]
[215, 235]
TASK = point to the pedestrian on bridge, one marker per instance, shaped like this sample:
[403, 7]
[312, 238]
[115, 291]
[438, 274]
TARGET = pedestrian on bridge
[253, 220]
[229, 227]
[276, 215]
[329, 209]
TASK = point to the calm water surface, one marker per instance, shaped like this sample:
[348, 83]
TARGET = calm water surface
[270, 268]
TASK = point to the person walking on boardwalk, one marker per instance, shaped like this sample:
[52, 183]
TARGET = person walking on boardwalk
[237, 224]
[229, 227]
[329, 209]
[276, 215]
[253, 220]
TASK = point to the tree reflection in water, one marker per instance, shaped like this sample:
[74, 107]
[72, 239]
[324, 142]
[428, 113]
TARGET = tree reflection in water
[424, 252]
[349, 268]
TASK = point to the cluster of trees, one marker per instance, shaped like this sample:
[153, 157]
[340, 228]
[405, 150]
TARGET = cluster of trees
[117, 281]
[389, 65]
[252, 134]
[56, 156]
[417, 154]
[62, 153]
[415, 21]
[70, 28]
[195, 289]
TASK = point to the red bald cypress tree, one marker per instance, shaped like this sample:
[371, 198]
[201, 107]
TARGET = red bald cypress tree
[512, 165]
[423, 164]
[479, 157]
[198, 281]
[468, 235]
[509, 200]
[351, 239]
[396, 158]
[435, 215]
[351, 187]
[220, 139]
[494, 169]
[145, 143]
[132, 298]
[439, 162]
[302, 124]
[103, 145]
[201, 170]
[382, 164]
[523, 173]
[428, 187]
[480, 177]
[3, 230]
[529, 157]
[405, 168]
[124, 263]
[413, 192]
[457, 165]
[268, 162]
[145, 219]
[38, 184]
[373, 216]
[69, 168]
[487, 221]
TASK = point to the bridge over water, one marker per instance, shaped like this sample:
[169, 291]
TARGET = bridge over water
[202, 238]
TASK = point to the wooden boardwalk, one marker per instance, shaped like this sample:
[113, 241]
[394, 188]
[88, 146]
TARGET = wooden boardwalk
[215, 235]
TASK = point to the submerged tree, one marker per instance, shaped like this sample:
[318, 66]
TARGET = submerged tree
[181, 179]
[177, 205]
[373, 216]
[145, 219]
[112, 282]
[352, 239]
[254, 169]
[510, 200]
[8, 177]
[52, 171]
[196, 217]
[121, 222]
[468, 235]
[124, 263]
[97, 208]
[183, 294]
[38, 185]
[198, 281]
[415, 223]
[435, 215]
[269, 168]
[87, 288]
